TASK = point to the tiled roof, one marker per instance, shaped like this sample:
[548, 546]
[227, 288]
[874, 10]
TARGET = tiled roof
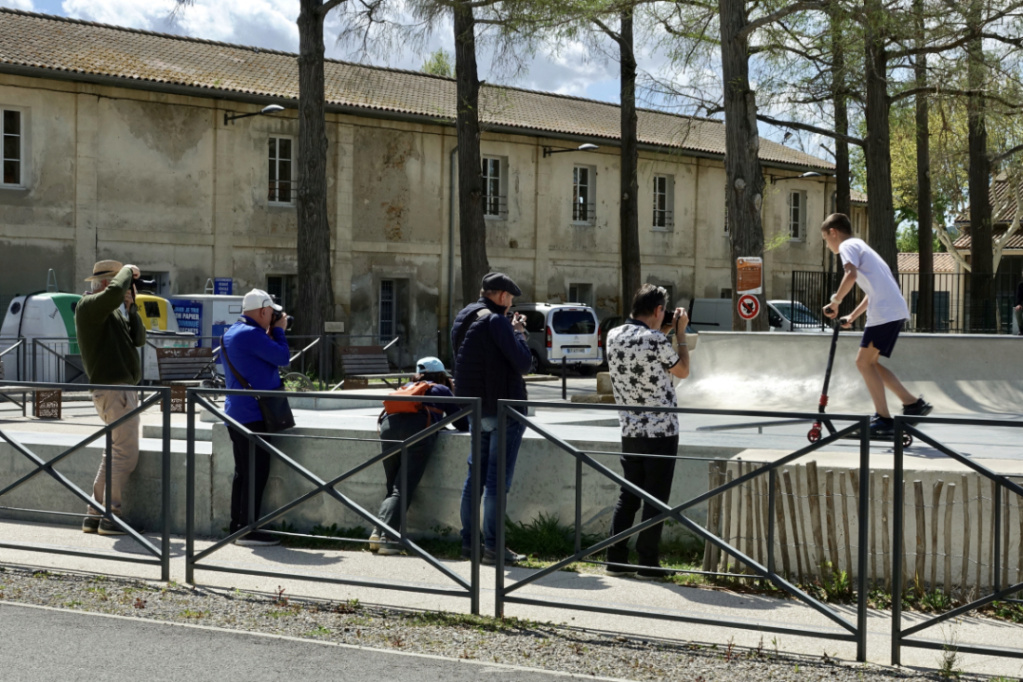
[157, 61]
[964, 242]
[1003, 204]
[942, 262]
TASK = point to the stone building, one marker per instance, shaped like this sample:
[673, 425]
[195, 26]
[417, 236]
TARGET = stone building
[120, 143]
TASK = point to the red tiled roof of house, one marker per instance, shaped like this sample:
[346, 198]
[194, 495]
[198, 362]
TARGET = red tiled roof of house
[56, 47]
[910, 262]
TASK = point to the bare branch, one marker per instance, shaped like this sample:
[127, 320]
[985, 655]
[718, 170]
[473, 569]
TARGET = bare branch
[796, 125]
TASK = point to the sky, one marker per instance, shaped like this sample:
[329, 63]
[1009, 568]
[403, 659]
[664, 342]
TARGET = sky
[271, 24]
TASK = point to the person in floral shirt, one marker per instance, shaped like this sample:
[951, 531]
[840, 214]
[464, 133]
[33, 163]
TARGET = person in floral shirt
[642, 362]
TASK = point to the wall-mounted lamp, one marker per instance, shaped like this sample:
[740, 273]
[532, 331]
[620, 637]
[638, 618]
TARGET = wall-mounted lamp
[808, 174]
[268, 109]
[547, 151]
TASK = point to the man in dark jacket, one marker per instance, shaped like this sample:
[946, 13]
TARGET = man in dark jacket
[109, 340]
[491, 357]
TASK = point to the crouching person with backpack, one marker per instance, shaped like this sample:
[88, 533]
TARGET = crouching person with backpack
[401, 420]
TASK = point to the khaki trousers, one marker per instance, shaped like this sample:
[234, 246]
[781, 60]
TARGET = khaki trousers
[111, 405]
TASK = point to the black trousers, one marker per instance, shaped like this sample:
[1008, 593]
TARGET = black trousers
[401, 427]
[653, 475]
[242, 474]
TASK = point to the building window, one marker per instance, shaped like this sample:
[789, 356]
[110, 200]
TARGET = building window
[495, 188]
[284, 289]
[797, 215]
[580, 293]
[13, 147]
[664, 191]
[282, 179]
[584, 196]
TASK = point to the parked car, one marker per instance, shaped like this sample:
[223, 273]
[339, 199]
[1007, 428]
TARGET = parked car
[562, 330]
[793, 316]
[710, 315]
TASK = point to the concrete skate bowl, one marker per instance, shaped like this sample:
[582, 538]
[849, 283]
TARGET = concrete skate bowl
[957, 373]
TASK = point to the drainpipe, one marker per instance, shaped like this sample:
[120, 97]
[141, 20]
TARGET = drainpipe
[451, 250]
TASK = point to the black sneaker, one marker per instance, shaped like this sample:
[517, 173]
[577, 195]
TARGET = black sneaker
[881, 428]
[921, 408]
[510, 557]
[257, 538]
[90, 524]
[108, 527]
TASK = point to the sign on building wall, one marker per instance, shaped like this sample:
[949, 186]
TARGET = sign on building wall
[223, 286]
[189, 314]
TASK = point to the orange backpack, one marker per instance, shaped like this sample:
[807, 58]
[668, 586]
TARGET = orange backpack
[417, 388]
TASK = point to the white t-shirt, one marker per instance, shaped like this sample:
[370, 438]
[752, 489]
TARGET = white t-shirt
[884, 299]
[638, 359]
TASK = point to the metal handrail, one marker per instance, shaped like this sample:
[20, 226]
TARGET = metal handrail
[901, 637]
[198, 397]
[854, 632]
[161, 555]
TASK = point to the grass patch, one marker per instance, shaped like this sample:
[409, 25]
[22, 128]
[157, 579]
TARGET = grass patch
[545, 538]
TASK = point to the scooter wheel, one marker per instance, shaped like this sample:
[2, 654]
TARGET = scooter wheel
[814, 435]
[907, 439]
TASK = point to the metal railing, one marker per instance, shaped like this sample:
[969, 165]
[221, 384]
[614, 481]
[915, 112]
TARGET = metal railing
[198, 397]
[903, 636]
[850, 632]
[160, 555]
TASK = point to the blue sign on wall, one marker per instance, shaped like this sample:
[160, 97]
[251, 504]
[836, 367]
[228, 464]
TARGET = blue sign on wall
[223, 286]
[189, 314]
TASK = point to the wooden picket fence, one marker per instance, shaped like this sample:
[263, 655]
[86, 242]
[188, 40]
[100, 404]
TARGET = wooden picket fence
[949, 521]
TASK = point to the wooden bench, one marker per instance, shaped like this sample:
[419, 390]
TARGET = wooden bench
[180, 368]
[362, 363]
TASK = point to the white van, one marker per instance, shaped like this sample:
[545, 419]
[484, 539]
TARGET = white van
[710, 315]
[562, 330]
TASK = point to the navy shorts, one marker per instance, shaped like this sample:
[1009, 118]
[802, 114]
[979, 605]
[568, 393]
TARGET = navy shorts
[883, 336]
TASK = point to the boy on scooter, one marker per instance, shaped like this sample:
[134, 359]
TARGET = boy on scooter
[886, 311]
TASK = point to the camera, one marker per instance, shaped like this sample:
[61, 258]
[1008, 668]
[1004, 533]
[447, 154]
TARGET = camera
[277, 315]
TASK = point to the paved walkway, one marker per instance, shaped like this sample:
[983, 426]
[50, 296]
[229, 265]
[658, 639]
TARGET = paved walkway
[995, 446]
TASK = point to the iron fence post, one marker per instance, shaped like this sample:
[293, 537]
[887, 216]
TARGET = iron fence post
[190, 488]
[897, 541]
[578, 505]
[564, 378]
[474, 483]
[499, 540]
[863, 538]
[165, 402]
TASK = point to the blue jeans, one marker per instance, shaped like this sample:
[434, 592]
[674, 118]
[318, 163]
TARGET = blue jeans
[488, 473]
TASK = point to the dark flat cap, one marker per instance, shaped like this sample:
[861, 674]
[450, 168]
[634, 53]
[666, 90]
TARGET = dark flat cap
[498, 281]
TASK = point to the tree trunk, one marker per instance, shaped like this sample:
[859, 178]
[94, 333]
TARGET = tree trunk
[744, 186]
[982, 306]
[315, 302]
[471, 226]
[925, 216]
[632, 267]
[839, 91]
[880, 208]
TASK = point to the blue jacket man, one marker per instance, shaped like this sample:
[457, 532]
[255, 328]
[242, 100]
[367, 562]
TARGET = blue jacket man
[491, 357]
[257, 347]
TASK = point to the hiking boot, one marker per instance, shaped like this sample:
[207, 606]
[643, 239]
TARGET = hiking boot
[510, 557]
[90, 524]
[108, 527]
[921, 408]
[257, 538]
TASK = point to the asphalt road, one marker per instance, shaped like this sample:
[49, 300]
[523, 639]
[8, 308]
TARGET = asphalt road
[41, 644]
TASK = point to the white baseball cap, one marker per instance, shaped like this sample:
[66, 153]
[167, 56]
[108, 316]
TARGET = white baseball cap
[256, 299]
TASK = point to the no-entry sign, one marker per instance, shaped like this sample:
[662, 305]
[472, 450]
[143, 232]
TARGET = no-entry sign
[749, 307]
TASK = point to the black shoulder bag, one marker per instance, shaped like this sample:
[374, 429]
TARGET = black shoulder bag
[276, 410]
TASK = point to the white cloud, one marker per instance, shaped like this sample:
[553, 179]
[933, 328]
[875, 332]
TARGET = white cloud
[575, 69]
[18, 4]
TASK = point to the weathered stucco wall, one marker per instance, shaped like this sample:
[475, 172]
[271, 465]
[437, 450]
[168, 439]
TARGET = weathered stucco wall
[160, 180]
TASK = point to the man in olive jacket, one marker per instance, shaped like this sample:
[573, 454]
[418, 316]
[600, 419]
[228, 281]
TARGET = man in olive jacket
[109, 340]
